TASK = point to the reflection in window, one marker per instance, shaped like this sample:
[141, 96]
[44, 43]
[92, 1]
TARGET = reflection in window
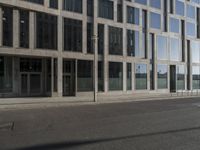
[155, 4]
[133, 15]
[155, 20]
[162, 48]
[195, 50]
[85, 76]
[174, 25]
[180, 72]
[162, 76]
[175, 49]
[180, 8]
[141, 76]
[133, 48]
[5, 74]
[115, 76]
[196, 77]
[144, 2]
[191, 11]
[191, 29]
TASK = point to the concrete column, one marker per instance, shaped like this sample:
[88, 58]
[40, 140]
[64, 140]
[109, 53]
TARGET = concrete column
[115, 10]
[155, 63]
[84, 27]
[124, 77]
[46, 3]
[60, 4]
[105, 59]
[60, 58]
[1, 27]
[32, 30]
[16, 24]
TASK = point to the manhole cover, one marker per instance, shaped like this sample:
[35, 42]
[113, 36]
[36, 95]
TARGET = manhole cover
[7, 126]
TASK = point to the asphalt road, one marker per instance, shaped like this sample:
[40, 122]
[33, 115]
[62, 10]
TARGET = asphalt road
[150, 125]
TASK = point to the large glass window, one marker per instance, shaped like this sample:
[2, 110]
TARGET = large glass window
[162, 76]
[24, 29]
[133, 48]
[175, 49]
[100, 76]
[195, 50]
[180, 71]
[89, 37]
[5, 74]
[155, 20]
[129, 76]
[36, 1]
[73, 5]
[100, 38]
[144, 2]
[46, 33]
[191, 11]
[162, 48]
[141, 76]
[115, 41]
[72, 35]
[7, 26]
[106, 9]
[155, 4]
[190, 29]
[90, 7]
[53, 4]
[115, 76]
[196, 77]
[180, 8]
[85, 76]
[133, 15]
[174, 25]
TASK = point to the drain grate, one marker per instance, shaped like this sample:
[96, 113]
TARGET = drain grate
[8, 126]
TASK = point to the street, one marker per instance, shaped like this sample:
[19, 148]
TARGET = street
[145, 125]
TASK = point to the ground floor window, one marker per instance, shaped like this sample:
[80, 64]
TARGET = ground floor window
[100, 76]
[196, 77]
[85, 76]
[5, 74]
[115, 76]
[162, 76]
[141, 76]
[180, 77]
[129, 76]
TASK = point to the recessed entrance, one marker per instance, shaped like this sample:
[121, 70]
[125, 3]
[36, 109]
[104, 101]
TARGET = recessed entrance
[68, 78]
[31, 77]
[172, 78]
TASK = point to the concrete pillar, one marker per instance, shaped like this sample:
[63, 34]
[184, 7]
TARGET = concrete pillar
[84, 27]
[32, 30]
[155, 63]
[16, 31]
[115, 10]
[46, 3]
[105, 59]
[1, 26]
[60, 76]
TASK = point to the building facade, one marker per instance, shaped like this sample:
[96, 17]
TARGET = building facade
[86, 48]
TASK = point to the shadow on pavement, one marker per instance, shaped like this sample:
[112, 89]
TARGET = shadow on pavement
[73, 144]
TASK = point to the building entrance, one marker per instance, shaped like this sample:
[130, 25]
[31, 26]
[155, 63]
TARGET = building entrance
[68, 78]
[172, 78]
[31, 77]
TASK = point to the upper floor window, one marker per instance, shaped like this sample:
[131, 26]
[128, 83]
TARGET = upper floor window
[73, 5]
[7, 26]
[191, 11]
[190, 29]
[155, 4]
[46, 33]
[53, 4]
[36, 1]
[133, 15]
[90, 7]
[144, 2]
[180, 8]
[174, 25]
[155, 20]
[162, 53]
[24, 29]
[106, 9]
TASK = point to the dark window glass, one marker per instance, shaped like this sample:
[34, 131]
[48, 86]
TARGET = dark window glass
[30, 65]
[115, 76]
[6, 74]
[100, 76]
[89, 38]
[72, 35]
[53, 4]
[73, 5]
[141, 76]
[100, 38]
[133, 15]
[115, 41]
[46, 32]
[106, 9]
[162, 76]
[119, 13]
[36, 1]
[151, 68]
[90, 7]
[7, 26]
[133, 43]
[85, 76]
[129, 76]
[24, 29]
